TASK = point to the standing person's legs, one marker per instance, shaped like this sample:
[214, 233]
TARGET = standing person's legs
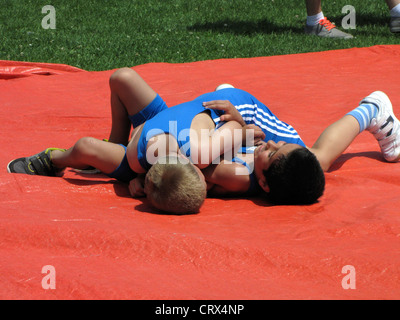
[394, 7]
[320, 26]
[392, 3]
[314, 10]
[129, 95]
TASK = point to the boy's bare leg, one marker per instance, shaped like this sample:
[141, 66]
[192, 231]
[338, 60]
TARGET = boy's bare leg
[375, 114]
[334, 140]
[88, 151]
[129, 95]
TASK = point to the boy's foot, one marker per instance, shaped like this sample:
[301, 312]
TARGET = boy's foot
[394, 24]
[326, 29]
[385, 127]
[38, 164]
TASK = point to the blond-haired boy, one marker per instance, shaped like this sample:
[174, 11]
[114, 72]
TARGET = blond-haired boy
[159, 133]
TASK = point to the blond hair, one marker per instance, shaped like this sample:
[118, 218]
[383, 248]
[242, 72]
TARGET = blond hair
[175, 187]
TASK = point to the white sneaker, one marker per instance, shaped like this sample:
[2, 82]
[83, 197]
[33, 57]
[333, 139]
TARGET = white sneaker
[385, 127]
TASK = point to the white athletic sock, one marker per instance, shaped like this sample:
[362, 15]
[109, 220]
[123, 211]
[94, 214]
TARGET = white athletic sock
[395, 12]
[313, 20]
[364, 113]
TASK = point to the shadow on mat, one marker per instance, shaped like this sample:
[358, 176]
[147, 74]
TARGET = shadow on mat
[258, 200]
[244, 27]
[263, 202]
[147, 208]
[347, 156]
[120, 188]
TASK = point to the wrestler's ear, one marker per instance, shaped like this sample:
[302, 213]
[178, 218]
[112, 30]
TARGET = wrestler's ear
[263, 184]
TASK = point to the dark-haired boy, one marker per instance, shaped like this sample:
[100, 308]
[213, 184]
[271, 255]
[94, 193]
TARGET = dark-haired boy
[292, 173]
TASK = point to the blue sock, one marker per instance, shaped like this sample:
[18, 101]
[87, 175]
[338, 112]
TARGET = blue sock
[364, 113]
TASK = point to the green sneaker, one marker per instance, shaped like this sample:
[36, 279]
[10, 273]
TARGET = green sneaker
[326, 29]
[394, 25]
[38, 164]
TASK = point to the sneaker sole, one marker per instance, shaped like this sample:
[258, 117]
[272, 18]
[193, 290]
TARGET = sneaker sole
[8, 167]
[10, 171]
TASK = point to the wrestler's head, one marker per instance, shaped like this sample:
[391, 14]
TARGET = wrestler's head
[289, 173]
[175, 185]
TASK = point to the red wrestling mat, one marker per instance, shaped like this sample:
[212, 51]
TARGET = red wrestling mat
[105, 245]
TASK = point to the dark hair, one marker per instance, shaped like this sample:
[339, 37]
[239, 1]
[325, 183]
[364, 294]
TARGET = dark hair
[296, 178]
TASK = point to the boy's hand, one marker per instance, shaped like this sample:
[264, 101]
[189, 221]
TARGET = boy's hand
[231, 112]
[136, 187]
[259, 135]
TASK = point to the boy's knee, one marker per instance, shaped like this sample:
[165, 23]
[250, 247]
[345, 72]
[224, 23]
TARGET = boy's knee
[122, 76]
[85, 147]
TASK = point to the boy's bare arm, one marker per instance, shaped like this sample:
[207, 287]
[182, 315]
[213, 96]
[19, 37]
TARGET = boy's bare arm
[225, 140]
[209, 145]
[227, 178]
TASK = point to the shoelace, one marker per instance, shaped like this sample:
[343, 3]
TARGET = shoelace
[327, 24]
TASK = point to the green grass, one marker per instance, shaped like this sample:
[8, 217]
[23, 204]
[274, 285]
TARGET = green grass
[108, 34]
